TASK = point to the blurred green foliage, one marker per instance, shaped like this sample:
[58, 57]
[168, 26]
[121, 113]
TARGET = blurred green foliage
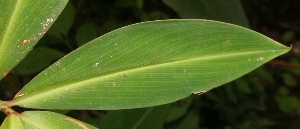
[230, 11]
[266, 98]
[143, 118]
[37, 60]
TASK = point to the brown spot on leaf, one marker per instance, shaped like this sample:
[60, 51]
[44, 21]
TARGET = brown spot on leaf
[77, 123]
[25, 41]
[5, 73]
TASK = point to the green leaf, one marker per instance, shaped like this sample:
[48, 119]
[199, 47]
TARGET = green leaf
[85, 33]
[37, 60]
[12, 121]
[230, 11]
[287, 102]
[149, 64]
[23, 23]
[129, 3]
[289, 80]
[178, 109]
[141, 118]
[190, 121]
[62, 25]
[51, 120]
[243, 86]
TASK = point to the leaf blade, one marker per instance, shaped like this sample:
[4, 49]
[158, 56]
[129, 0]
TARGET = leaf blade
[12, 121]
[141, 118]
[49, 120]
[161, 62]
[37, 60]
[24, 24]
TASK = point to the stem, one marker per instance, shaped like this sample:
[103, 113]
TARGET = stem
[7, 110]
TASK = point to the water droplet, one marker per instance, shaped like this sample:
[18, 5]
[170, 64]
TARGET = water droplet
[199, 92]
[19, 95]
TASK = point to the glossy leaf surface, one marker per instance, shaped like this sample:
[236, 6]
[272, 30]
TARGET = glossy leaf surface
[149, 64]
[230, 11]
[12, 121]
[23, 23]
[51, 120]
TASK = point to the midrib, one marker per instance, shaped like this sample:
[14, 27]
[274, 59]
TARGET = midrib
[16, 6]
[47, 92]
